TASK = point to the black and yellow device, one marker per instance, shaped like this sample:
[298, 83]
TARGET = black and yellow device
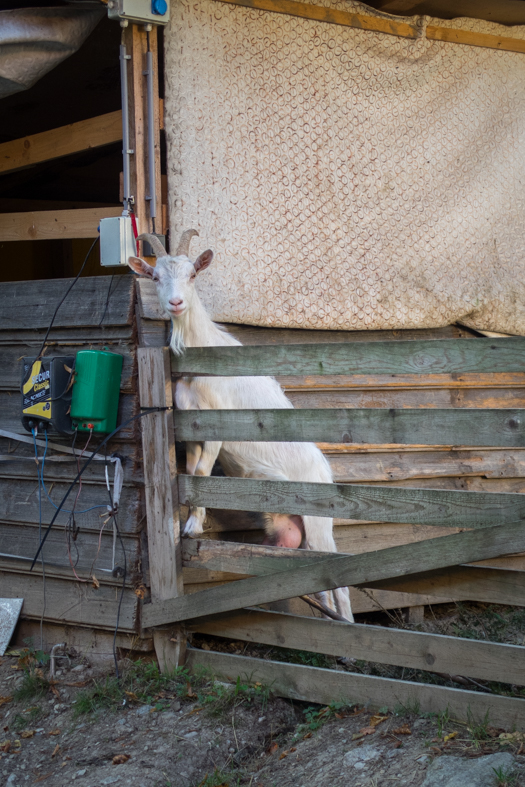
[46, 393]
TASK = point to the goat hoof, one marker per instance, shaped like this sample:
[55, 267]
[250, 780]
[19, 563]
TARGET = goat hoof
[193, 528]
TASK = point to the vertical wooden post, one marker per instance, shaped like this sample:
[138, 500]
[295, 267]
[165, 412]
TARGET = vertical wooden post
[162, 504]
[136, 40]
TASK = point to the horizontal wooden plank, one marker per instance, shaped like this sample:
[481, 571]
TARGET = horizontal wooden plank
[411, 649]
[98, 301]
[68, 336]
[73, 603]
[376, 24]
[470, 38]
[417, 357]
[19, 504]
[422, 398]
[399, 466]
[502, 428]
[88, 550]
[312, 684]
[73, 138]
[382, 383]
[354, 501]
[53, 224]
[340, 571]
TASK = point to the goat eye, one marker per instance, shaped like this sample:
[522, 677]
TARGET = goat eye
[193, 276]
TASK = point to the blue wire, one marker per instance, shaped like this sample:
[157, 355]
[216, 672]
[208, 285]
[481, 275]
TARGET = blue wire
[41, 482]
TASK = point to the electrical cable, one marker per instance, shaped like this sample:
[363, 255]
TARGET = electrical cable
[65, 296]
[145, 411]
[124, 576]
[40, 536]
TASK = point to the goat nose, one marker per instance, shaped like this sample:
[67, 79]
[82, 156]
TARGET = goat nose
[176, 302]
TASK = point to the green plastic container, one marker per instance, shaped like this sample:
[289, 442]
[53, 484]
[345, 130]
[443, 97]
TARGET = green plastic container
[96, 391]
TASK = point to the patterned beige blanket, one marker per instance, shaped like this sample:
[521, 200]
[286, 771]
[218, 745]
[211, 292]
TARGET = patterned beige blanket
[347, 179]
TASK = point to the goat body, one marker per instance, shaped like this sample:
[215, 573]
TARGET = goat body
[192, 327]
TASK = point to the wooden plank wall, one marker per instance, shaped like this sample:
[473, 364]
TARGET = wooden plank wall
[98, 314]
[433, 467]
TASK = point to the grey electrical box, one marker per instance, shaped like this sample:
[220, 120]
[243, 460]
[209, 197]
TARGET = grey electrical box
[149, 12]
[117, 242]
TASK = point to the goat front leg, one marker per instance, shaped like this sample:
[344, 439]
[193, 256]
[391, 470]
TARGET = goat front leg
[194, 524]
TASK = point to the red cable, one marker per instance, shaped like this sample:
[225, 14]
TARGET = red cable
[135, 231]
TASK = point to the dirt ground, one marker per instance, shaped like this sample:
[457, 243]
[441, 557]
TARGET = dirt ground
[153, 731]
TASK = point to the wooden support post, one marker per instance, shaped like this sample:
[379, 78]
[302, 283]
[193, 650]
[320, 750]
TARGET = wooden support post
[162, 505]
[136, 40]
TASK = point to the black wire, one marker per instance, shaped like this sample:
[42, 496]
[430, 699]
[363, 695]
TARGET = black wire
[65, 296]
[146, 411]
[114, 513]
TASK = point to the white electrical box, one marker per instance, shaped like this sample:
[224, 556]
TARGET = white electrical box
[117, 242]
[149, 12]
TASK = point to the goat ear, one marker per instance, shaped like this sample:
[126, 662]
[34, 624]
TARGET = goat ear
[203, 260]
[141, 267]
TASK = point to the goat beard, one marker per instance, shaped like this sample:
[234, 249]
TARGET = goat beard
[177, 338]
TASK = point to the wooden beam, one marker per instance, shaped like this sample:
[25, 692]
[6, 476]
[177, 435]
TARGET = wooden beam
[312, 684]
[52, 225]
[411, 649]
[441, 508]
[136, 40]
[469, 38]
[472, 583]
[374, 24]
[440, 356]
[342, 571]
[500, 428]
[58, 142]
[162, 505]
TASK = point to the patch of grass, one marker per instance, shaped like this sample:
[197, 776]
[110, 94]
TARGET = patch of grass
[506, 777]
[219, 698]
[479, 730]
[411, 707]
[303, 657]
[442, 720]
[220, 779]
[19, 723]
[145, 684]
[317, 717]
[33, 686]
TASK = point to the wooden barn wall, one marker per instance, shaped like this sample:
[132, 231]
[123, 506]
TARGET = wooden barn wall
[99, 313]
[433, 467]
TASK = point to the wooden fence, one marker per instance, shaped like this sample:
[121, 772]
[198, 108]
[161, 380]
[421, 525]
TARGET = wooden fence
[478, 526]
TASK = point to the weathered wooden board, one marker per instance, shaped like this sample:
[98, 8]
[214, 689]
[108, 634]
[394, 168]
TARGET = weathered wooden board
[410, 397]
[87, 554]
[342, 570]
[402, 465]
[429, 652]
[96, 644]
[471, 38]
[54, 224]
[99, 300]
[407, 382]
[312, 684]
[412, 357]
[423, 427]
[71, 602]
[19, 503]
[354, 501]
[83, 135]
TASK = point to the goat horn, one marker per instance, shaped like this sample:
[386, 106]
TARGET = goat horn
[154, 242]
[184, 243]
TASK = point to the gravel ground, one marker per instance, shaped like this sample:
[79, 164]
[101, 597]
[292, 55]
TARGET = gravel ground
[153, 733]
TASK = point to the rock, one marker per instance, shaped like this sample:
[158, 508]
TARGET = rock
[457, 772]
[11, 780]
[144, 710]
[193, 734]
[110, 780]
[356, 758]
[79, 668]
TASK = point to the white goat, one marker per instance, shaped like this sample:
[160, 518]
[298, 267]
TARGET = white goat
[192, 327]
